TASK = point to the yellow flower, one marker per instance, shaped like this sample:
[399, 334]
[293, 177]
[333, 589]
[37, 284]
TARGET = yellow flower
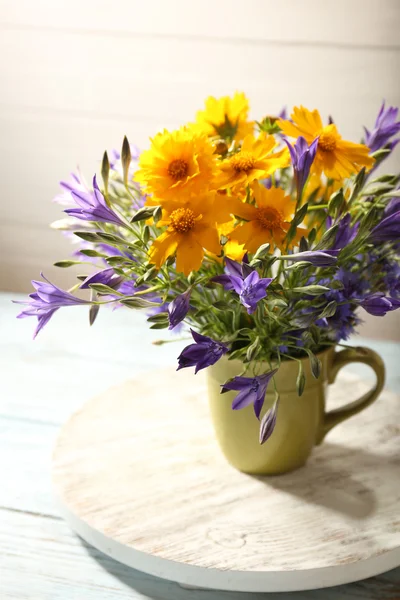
[253, 161]
[226, 117]
[336, 157]
[321, 190]
[178, 163]
[268, 220]
[191, 228]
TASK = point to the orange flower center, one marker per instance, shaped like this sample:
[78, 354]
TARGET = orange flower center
[182, 220]
[178, 169]
[327, 142]
[243, 162]
[269, 218]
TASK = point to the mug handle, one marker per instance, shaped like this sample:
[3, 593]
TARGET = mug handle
[341, 359]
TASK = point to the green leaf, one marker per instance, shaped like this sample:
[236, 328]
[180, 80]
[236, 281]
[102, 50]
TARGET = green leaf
[315, 364]
[162, 325]
[278, 302]
[157, 214]
[311, 236]
[329, 310]
[301, 380]
[221, 305]
[101, 288]
[297, 219]
[315, 333]
[381, 153]
[328, 238]
[253, 349]
[358, 185]
[87, 236]
[262, 251]
[336, 202]
[143, 213]
[303, 246]
[336, 284]
[126, 158]
[115, 261]
[105, 171]
[389, 178]
[138, 302]
[146, 234]
[367, 222]
[93, 312]
[110, 237]
[303, 264]
[307, 338]
[236, 354]
[312, 290]
[299, 216]
[89, 252]
[150, 274]
[160, 317]
[64, 264]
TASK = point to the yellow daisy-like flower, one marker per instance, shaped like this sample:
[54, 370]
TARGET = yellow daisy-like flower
[178, 163]
[254, 161]
[268, 220]
[321, 189]
[226, 117]
[191, 228]
[336, 157]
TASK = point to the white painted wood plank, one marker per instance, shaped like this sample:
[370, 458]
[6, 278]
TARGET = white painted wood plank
[360, 22]
[43, 560]
[91, 74]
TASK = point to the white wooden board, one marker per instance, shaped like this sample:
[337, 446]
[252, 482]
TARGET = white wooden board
[138, 474]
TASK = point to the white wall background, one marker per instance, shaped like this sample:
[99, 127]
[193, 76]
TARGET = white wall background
[76, 75]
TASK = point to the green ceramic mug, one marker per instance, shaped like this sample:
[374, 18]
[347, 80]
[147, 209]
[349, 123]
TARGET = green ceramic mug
[302, 421]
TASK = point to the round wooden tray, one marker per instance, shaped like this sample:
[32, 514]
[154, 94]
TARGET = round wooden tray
[139, 475]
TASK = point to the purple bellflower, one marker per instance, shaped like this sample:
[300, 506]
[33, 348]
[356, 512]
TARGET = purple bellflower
[392, 207]
[93, 207]
[106, 277]
[76, 184]
[388, 230]
[232, 268]
[345, 232]
[203, 353]
[178, 309]
[384, 130]
[47, 299]
[250, 290]
[302, 156]
[246, 282]
[251, 390]
[268, 423]
[378, 305]
[318, 258]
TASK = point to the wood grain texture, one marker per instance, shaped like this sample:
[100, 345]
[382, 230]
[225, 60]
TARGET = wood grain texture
[259, 20]
[42, 559]
[41, 383]
[140, 465]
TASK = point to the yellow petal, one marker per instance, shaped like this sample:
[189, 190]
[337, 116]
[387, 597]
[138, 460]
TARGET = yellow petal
[207, 237]
[234, 250]
[163, 247]
[189, 255]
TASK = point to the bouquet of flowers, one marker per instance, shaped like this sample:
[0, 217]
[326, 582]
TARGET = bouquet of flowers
[264, 238]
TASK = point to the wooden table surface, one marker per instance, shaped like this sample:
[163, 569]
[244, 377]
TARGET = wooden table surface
[41, 384]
